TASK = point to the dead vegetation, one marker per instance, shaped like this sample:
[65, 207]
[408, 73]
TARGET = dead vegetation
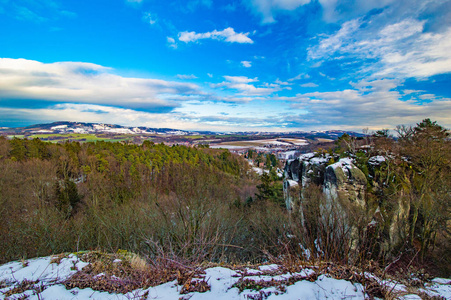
[125, 272]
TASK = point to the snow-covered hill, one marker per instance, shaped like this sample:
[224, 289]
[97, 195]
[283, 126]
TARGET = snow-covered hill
[61, 277]
[64, 127]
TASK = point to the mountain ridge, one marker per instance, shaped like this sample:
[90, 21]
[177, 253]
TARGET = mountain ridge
[61, 127]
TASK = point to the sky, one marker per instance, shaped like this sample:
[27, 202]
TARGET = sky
[242, 65]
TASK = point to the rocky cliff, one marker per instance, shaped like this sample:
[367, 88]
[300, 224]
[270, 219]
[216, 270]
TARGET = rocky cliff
[346, 196]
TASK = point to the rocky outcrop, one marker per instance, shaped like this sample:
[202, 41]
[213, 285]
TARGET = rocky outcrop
[345, 182]
[341, 180]
[347, 194]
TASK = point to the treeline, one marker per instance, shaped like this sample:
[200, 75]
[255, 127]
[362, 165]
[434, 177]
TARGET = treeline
[151, 199]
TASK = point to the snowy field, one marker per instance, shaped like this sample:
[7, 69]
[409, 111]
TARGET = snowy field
[261, 144]
[43, 278]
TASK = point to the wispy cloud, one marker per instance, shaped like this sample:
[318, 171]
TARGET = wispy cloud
[397, 49]
[228, 35]
[245, 86]
[183, 76]
[267, 9]
[309, 84]
[299, 77]
[246, 64]
[35, 11]
[171, 42]
[149, 18]
[330, 45]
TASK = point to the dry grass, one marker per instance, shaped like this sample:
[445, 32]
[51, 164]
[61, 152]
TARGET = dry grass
[56, 259]
[125, 272]
[25, 286]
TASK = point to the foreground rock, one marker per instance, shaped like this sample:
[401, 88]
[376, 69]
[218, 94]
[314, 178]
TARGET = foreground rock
[345, 200]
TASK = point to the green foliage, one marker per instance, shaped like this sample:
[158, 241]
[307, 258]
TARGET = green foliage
[271, 190]
[67, 197]
[271, 161]
[426, 178]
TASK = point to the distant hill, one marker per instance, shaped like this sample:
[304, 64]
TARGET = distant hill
[86, 128]
[64, 127]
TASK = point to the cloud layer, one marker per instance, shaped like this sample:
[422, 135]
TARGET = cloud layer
[375, 104]
[79, 82]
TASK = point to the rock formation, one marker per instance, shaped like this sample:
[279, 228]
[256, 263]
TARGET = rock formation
[345, 196]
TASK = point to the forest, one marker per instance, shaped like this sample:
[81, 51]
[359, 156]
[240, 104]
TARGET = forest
[199, 204]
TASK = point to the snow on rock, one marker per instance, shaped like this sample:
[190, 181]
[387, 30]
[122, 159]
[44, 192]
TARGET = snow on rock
[287, 154]
[307, 156]
[376, 160]
[342, 163]
[292, 182]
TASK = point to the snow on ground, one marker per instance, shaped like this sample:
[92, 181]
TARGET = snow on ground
[259, 171]
[298, 142]
[58, 127]
[226, 147]
[224, 284]
[78, 130]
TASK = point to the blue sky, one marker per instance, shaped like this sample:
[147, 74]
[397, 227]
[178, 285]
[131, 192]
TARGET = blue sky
[260, 65]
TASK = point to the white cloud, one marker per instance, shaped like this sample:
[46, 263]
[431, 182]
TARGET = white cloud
[227, 35]
[299, 77]
[182, 76]
[427, 55]
[87, 83]
[267, 9]
[374, 104]
[246, 64]
[279, 82]
[243, 85]
[171, 42]
[310, 84]
[240, 79]
[328, 46]
[210, 75]
[397, 49]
